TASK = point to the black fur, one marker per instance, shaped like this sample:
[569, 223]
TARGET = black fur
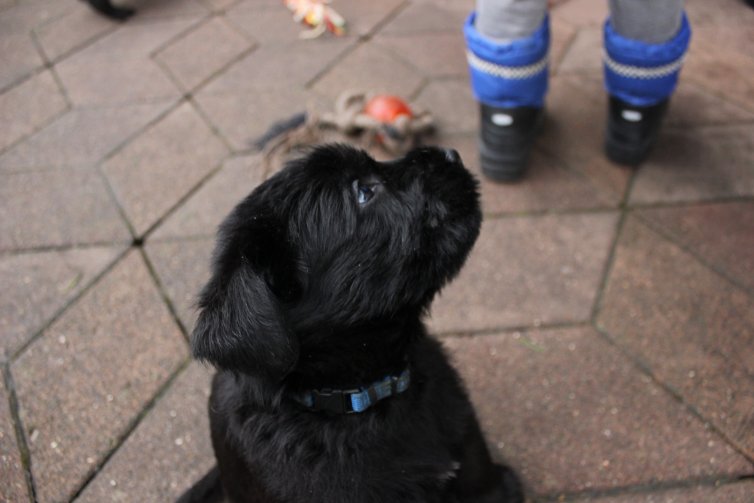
[312, 289]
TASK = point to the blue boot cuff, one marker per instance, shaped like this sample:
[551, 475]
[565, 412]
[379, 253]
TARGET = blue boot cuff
[508, 75]
[643, 74]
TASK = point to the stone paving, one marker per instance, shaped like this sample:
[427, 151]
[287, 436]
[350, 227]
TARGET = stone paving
[604, 322]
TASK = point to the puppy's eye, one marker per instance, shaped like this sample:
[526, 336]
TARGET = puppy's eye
[365, 191]
[365, 194]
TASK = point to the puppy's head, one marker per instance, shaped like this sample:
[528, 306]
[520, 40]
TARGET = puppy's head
[335, 239]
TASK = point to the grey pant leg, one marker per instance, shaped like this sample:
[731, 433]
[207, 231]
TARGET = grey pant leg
[650, 21]
[509, 20]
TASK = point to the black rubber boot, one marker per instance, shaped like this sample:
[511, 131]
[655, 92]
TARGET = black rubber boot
[505, 140]
[632, 130]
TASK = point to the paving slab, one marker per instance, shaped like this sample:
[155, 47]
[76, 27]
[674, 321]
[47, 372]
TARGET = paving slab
[602, 426]
[434, 54]
[287, 67]
[547, 185]
[421, 18]
[693, 106]
[89, 376]
[728, 493]
[458, 9]
[93, 76]
[167, 452]
[81, 137]
[721, 234]
[91, 82]
[690, 327]
[584, 54]
[198, 55]
[212, 202]
[726, 36]
[39, 285]
[149, 10]
[184, 149]
[581, 13]
[58, 208]
[80, 25]
[13, 486]
[18, 58]
[370, 69]
[24, 16]
[219, 6]
[729, 77]
[366, 16]
[561, 37]
[269, 24]
[29, 106]
[700, 164]
[575, 121]
[135, 39]
[528, 271]
[732, 13]
[243, 116]
[451, 104]
[183, 267]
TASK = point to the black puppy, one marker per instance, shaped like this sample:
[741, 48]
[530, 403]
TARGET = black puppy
[329, 389]
[107, 8]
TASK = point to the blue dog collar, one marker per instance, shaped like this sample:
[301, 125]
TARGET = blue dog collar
[352, 401]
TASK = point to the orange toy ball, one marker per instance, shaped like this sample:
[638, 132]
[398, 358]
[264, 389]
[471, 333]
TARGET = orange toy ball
[387, 108]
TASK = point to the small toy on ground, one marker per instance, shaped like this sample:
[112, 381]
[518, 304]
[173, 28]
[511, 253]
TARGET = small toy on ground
[380, 118]
[318, 15]
[372, 121]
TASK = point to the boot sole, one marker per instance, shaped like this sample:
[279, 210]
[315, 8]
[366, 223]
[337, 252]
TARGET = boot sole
[627, 155]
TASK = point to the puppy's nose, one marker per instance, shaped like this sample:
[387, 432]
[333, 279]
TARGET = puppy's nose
[452, 155]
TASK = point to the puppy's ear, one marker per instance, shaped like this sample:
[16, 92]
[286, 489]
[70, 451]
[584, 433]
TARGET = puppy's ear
[241, 325]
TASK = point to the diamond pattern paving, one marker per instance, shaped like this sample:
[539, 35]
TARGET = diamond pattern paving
[168, 451]
[616, 427]
[185, 150]
[83, 136]
[720, 234]
[58, 208]
[92, 372]
[202, 214]
[87, 73]
[201, 53]
[13, 486]
[182, 268]
[29, 106]
[657, 305]
[603, 323]
[548, 184]
[698, 164]
[38, 285]
[732, 493]
[528, 271]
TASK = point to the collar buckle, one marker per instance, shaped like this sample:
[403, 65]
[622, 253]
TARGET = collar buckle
[330, 400]
[352, 401]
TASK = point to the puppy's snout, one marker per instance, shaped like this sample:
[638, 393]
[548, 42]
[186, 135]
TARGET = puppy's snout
[452, 155]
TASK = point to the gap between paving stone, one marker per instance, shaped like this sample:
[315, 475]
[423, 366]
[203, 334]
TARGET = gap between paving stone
[116, 445]
[18, 430]
[166, 298]
[669, 236]
[645, 369]
[644, 490]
